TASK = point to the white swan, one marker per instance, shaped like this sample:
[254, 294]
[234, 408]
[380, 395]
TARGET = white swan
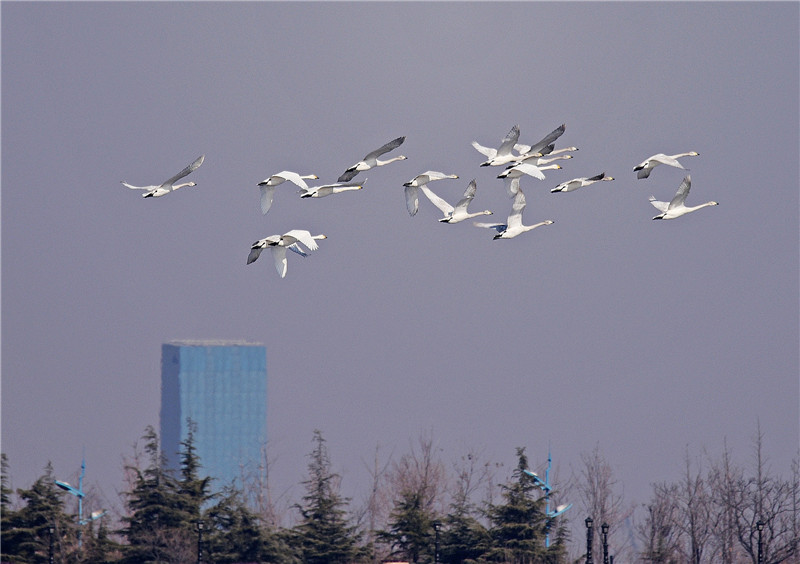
[643, 169]
[459, 212]
[528, 168]
[541, 146]
[168, 185]
[675, 207]
[513, 173]
[546, 152]
[412, 187]
[576, 183]
[502, 155]
[268, 185]
[279, 244]
[513, 225]
[328, 189]
[371, 160]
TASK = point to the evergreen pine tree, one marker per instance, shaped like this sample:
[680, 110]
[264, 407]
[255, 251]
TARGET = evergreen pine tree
[235, 534]
[323, 535]
[517, 526]
[156, 528]
[192, 490]
[464, 538]
[26, 533]
[410, 533]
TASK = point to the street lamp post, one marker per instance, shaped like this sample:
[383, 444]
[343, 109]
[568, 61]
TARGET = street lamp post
[760, 528]
[604, 528]
[78, 492]
[547, 488]
[51, 529]
[199, 542]
[436, 526]
[589, 523]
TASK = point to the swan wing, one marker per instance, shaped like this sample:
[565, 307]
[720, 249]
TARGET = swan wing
[293, 177]
[660, 206]
[512, 185]
[548, 140]
[469, 194]
[132, 187]
[348, 175]
[683, 191]
[445, 208]
[595, 178]
[499, 227]
[185, 172]
[485, 151]
[667, 160]
[267, 192]
[509, 141]
[433, 175]
[515, 217]
[297, 249]
[300, 235]
[279, 254]
[412, 200]
[255, 252]
[530, 170]
[393, 144]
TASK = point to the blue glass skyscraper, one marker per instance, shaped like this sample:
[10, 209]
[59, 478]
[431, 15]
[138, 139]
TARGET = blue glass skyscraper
[222, 387]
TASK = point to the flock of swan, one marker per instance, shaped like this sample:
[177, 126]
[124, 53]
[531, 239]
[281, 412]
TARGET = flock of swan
[529, 160]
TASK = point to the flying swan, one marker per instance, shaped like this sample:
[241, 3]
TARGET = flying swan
[279, 244]
[412, 187]
[545, 145]
[268, 185]
[502, 155]
[168, 185]
[371, 160]
[576, 183]
[643, 169]
[675, 207]
[459, 212]
[328, 189]
[513, 225]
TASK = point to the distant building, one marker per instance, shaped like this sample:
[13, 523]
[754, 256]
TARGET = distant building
[222, 387]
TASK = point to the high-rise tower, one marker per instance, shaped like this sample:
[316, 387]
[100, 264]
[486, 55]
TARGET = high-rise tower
[222, 387]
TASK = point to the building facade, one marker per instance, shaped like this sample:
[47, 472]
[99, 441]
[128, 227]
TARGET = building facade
[221, 386]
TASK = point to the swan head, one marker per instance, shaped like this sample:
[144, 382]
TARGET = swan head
[548, 222]
[608, 178]
[693, 154]
[486, 212]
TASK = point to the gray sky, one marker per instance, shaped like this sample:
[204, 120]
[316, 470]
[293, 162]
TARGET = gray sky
[606, 328]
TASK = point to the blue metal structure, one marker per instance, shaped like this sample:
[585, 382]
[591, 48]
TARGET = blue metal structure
[545, 486]
[221, 386]
[78, 492]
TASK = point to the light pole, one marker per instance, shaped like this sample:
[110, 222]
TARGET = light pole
[547, 488]
[760, 528]
[51, 530]
[436, 526]
[589, 523]
[604, 528]
[199, 542]
[78, 492]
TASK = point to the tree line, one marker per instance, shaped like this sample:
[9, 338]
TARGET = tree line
[416, 511]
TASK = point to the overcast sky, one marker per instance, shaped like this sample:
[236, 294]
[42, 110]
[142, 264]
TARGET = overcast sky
[605, 329]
